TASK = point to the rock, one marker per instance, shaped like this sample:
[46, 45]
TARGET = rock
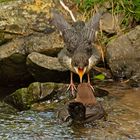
[13, 63]
[18, 18]
[100, 92]
[6, 109]
[42, 60]
[25, 25]
[49, 44]
[22, 99]
[123, 55]
[111, 23]
[45, 68]
[29, 46]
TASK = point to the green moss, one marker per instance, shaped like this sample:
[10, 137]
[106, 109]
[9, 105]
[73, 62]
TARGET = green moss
[23, 98]
[33, 92]
[18, 99]
[6, 0]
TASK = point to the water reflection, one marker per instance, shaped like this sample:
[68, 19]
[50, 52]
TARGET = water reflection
[123, 122]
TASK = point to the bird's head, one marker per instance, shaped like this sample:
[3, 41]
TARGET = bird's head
[77, 111]
[80, 64]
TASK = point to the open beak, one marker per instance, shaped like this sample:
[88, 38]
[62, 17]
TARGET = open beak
[80, 73]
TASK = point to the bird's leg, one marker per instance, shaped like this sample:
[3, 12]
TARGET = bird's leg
[71, 85]
[89, 81]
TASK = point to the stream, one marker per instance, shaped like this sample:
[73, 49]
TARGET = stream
[123, 121]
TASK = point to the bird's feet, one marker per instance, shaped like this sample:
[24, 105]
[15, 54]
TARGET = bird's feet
[73, 89]
[92, 87]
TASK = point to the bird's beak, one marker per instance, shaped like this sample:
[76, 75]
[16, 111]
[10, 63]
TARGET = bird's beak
[80, 73]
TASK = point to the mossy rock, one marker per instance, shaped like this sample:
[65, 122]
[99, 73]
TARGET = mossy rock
[23, 98]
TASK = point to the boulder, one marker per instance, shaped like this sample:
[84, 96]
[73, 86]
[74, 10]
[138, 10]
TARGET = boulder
[123, 55]
[43, 96]
[13, 63]
[49, 44]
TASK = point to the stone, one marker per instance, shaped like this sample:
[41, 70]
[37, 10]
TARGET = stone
[24, 30]
[45, 61]
[24, 98]
[123, 55]
[111, 23]
[49, 44]
[13, 63]
[45, 68]
[85, 94]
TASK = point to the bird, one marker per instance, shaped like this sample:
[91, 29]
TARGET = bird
[79, 54]
[77, 111]
[88, 98]
[84, 108]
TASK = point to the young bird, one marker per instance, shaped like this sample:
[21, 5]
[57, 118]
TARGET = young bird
[79, 54]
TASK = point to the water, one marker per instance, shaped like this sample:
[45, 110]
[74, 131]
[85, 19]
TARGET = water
[123, 122]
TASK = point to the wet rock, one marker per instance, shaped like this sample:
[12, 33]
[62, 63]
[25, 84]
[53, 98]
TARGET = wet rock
[23, 98]
[6, 109]
[123, 55]
[85, 94]
[99, 92]
[80, 114]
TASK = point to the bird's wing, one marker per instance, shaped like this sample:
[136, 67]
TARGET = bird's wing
[64, 58]
[93, 60]
[92, 26]
[68, 32]
[59, 21]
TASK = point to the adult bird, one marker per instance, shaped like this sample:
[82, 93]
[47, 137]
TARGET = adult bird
[79, 54]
